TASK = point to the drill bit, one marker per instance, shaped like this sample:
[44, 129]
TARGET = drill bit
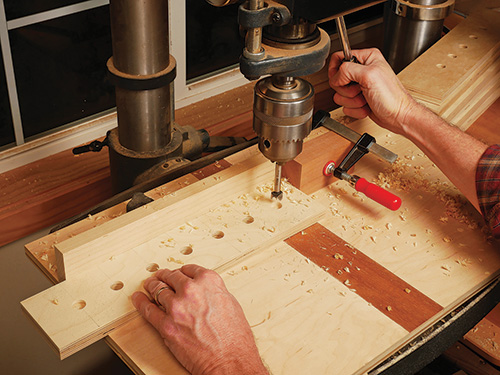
[277, 193]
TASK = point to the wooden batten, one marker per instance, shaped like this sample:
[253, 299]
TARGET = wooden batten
[305, 172]
[224, 217]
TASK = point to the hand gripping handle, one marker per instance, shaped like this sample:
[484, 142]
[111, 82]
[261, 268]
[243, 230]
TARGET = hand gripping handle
[378, 194]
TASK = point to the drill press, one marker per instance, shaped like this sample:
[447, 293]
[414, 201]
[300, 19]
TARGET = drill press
[283, 43]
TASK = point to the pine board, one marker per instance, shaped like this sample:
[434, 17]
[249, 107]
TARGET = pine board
[256, 281]
[219, 225]
[458, 76]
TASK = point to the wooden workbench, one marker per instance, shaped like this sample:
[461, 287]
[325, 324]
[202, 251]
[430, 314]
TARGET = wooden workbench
[337, 295]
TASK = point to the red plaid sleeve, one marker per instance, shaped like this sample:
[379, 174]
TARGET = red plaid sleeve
[488, 187]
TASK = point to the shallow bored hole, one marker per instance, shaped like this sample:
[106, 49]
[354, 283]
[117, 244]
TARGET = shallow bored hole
[117, 285]
[463, 46]
[441, 66]
[80, 304]
[472, 36]
[218, 234]
[186, 250]
[277, 205]
[248, 220]
[452, 56]
[153, 267]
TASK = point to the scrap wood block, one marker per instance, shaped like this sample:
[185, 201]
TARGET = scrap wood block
[305, 172]
[214, 228]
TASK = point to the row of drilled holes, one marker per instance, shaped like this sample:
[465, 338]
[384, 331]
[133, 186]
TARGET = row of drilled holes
[153, 267]
[453, 56]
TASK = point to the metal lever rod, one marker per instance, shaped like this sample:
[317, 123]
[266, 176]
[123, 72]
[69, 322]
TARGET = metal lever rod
[342, 31]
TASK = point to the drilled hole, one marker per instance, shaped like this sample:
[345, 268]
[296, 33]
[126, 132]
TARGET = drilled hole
[441, 66]
[277, 205]
[452, 56]
[186, 250]
[472, 36]
[248, 220]
[153, 267]
[117, 285]
[463, 46]
[218, 234]
[80, 304]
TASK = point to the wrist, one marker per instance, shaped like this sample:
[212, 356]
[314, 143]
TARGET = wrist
[242, 365]
[417, 121]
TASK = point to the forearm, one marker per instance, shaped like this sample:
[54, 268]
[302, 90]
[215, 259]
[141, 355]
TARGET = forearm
[454, 152]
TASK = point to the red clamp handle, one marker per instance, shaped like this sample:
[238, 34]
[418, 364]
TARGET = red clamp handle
[378, 194]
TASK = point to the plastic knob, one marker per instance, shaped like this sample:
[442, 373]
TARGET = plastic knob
[378, 194]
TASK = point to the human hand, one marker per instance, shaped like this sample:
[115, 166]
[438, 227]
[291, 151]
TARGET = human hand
[202, 323]
[376, 93]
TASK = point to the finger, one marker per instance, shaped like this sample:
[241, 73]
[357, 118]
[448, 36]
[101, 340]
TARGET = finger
[335, 62]
[358, 101]
[176, 279]
[193, 270]
[358, 113]
[159, 291]
[349, 91]
[152, 313]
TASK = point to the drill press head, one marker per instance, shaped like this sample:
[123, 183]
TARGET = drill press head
[283, 41]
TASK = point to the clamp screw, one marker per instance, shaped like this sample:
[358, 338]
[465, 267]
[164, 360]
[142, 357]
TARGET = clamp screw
[276, 17]
[328, 168]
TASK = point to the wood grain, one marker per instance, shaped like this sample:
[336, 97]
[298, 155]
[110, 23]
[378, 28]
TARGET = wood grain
[219, 225]
[400, 301]
[305, 172]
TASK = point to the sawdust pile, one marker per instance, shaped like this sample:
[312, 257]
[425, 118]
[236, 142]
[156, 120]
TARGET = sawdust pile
[404, 177]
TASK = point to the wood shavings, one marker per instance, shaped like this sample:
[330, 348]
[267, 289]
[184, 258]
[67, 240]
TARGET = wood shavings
[447, 239]
[464, 262]
[173, 260]
[55, 301]
[388, 226]
[407, 290]
[374, 239]
[244, 268]
[269, 229]
[388, 308]
[338, 256]
[446, 268]
[347, 282]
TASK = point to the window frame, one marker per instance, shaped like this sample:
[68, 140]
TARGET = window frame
[89, 128]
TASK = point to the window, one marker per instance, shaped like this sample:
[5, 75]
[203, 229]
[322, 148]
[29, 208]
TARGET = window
[53, 71]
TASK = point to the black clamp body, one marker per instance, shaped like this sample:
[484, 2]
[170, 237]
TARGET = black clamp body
[360, 149]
